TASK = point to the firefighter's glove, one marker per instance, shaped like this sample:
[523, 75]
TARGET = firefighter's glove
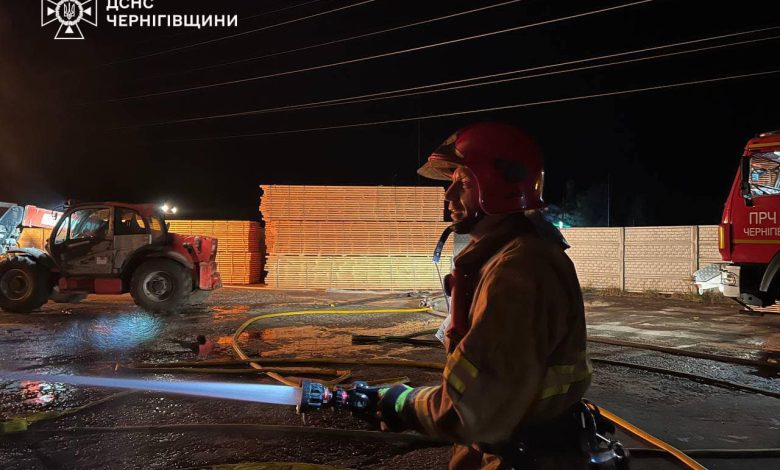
[391, 404]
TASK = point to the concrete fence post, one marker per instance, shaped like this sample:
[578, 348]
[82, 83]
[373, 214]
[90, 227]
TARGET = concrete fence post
[622, 258]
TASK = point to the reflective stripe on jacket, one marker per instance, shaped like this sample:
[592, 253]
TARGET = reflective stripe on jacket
[523, 359]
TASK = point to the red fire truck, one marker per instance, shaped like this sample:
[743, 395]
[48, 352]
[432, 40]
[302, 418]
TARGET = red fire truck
[749, 233]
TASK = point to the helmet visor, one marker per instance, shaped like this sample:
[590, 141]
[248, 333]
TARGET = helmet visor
[437, 168]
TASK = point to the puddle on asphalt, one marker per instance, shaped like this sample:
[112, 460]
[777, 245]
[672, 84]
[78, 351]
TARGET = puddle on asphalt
[120, 332]
[220, 312]
[40, 393]
[770, 352]
[317, 340]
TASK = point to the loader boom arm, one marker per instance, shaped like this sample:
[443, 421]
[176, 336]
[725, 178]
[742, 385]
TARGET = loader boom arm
[40, 218]
[14, 218]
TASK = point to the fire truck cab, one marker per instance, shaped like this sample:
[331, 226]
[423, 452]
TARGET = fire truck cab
[749, 233]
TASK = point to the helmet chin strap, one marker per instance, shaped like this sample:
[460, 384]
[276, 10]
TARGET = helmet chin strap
[467, 224]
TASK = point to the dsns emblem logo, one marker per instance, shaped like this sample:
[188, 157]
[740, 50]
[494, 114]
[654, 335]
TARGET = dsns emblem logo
[69, 13]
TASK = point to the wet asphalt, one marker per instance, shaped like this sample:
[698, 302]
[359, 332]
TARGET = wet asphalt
[107, 335]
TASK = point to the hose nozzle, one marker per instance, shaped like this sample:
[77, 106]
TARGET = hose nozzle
[357, 397]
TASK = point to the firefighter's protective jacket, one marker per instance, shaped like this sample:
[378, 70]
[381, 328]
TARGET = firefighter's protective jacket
[523, 360]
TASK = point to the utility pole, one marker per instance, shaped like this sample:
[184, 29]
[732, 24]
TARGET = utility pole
[419, 156]
[608, 199]
[563, 217]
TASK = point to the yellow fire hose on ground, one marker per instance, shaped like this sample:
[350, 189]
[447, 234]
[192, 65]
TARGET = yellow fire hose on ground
[273, 367]
[628, 427]
[267, 466]
[21, 423]
[650, 439]
[295, 381]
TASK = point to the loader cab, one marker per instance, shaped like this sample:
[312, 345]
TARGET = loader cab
[97, 239]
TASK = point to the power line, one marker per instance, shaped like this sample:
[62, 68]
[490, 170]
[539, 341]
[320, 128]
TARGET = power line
[378, 56]
[343, 40]
[279, 10]
[433, 88]
[265, 13]
[525, 77]
[484, 110]
[244, 33]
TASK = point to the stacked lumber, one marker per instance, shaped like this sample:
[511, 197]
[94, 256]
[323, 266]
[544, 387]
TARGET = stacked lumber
[240, 268]
[33, 237]
[402, 272]
[359, 203]
[353, 237]
[240, 248]
[301, 237]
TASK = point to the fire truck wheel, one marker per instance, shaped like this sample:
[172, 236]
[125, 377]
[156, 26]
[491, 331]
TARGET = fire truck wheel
[24, 284]
[161, 286]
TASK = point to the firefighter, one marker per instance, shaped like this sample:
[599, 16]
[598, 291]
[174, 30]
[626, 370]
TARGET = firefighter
[517, 366]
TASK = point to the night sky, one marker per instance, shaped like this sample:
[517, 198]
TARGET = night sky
[669, 155]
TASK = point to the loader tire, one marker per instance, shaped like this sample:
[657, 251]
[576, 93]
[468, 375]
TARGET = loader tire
[24, 284]
[161, 286]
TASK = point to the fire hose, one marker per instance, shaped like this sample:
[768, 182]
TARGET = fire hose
[357, 397]
[297, 381]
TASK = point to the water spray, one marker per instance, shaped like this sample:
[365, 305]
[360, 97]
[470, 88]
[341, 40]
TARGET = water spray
[357, 397]
[260, 393]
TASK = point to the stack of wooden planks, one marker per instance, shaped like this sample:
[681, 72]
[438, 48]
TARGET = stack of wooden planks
[353, 237]
[240, 249]
[33, 237]
[359, 203]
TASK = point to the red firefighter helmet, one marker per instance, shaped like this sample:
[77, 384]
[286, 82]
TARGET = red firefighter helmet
[506, 164]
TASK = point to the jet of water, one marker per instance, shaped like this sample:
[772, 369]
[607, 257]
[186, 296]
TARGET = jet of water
[258, 393]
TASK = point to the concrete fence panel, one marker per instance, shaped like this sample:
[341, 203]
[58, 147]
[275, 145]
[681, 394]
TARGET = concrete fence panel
[708, 245]
[660, 258]
[597, 254]
[639, 259]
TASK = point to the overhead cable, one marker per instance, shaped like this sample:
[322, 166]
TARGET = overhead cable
[490, 109]
[243, 18]
[377, 56]
[279, 10]
[343, 40]
[464, 83]
[243, 33]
